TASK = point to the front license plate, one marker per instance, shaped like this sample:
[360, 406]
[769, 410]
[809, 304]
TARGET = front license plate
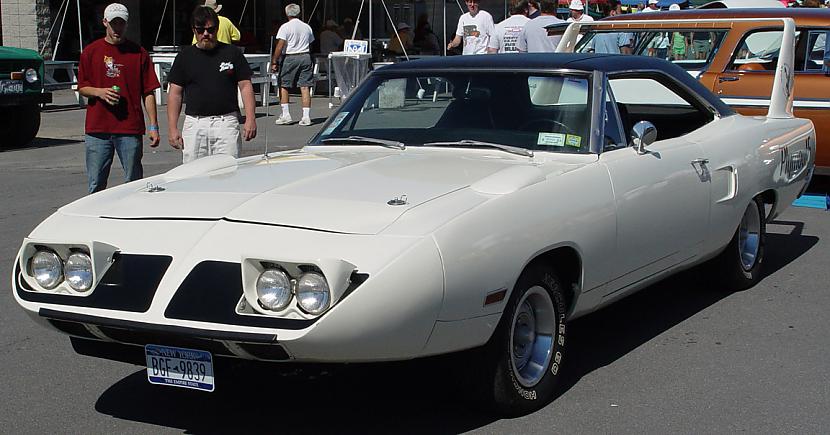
[11, 87]
[177, 367]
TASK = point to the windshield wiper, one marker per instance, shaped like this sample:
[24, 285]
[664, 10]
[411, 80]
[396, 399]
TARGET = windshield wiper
[369, 140]
[477, 143]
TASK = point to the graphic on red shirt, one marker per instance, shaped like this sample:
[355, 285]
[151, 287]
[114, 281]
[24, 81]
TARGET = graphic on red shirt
[113, 69]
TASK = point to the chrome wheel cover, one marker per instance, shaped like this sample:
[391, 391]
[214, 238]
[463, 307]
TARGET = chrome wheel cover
[532, 331]
[749, 237]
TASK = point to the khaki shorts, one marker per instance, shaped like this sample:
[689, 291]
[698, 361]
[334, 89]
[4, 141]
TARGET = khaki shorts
[297, 71]
[208, 135]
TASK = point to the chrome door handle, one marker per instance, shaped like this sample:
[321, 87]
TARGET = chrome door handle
[728, 79]
[700, 161]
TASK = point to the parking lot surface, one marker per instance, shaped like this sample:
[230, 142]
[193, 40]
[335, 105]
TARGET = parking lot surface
[679, 357]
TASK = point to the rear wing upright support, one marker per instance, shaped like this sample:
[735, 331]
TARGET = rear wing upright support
[781, 98]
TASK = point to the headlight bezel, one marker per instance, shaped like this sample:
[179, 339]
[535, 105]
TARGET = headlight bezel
[336, 273]
[101, 256]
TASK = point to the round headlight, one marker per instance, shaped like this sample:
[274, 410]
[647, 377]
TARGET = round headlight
[78, 271]
[313, 293]
[47, 268]
[31, 75]
[273, 288]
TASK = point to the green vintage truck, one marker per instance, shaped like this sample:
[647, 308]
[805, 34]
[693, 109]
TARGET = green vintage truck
[21, 94]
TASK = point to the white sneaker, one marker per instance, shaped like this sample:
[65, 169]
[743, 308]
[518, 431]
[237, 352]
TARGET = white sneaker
[305, 121]
[284, 120]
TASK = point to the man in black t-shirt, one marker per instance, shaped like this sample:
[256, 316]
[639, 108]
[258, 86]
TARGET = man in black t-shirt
[209, 74]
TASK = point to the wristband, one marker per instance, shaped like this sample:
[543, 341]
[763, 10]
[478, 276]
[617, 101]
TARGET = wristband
[153, 127]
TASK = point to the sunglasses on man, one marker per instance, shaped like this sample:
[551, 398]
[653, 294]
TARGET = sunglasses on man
[211, 30]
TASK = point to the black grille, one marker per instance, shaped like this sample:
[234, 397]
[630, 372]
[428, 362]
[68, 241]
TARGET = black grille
[210, 294]
[129, 285]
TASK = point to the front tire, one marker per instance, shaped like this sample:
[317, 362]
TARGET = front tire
[525, 353]
[23, 124]
[741, 262]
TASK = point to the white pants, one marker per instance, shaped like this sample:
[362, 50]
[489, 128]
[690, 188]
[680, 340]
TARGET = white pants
[208, 135]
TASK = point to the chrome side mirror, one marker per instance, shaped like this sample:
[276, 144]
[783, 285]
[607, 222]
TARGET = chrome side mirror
[643, 134]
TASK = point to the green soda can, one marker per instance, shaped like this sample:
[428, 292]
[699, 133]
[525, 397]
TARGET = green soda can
[117, 90]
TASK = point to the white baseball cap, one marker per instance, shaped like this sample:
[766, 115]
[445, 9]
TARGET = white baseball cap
[116, 10]
[652, 2]
[577, 5]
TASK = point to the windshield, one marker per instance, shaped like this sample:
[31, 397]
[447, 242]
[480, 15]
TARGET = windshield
[470, 109]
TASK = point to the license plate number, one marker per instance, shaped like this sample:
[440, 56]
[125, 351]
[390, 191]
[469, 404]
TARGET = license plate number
[178, 367]
[11, 87]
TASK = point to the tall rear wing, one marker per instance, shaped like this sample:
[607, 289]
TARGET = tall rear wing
[781, 98]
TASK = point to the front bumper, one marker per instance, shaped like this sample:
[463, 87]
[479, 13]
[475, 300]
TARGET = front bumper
[189, 297]
[104, 333]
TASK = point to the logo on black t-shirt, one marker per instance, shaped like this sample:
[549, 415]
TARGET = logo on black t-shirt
[226, 66]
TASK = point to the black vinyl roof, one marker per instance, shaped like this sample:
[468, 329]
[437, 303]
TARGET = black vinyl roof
[608, 63]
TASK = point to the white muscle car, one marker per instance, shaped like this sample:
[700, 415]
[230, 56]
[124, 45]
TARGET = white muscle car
[449, 204]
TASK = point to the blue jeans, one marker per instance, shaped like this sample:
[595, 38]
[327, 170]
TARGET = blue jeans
[99, 150]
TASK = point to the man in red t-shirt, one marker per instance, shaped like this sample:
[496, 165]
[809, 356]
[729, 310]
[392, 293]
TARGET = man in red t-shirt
[116, 75]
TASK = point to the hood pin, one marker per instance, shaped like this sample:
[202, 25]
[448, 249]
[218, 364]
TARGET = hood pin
[153, 188]
[400, 200]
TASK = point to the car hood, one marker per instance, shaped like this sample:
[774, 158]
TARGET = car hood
[338, 191]
[18, 53]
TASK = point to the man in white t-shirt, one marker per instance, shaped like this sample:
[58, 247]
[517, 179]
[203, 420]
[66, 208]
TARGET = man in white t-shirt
[508, 31]
[534, 37]
[296, 69]
[474, 29]
[578, 12]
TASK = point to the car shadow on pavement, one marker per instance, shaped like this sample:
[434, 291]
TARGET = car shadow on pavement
[365, 398]
[416, 396]
[42, 142]
[601, 338]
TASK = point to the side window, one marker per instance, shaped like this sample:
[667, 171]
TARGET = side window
[659, 101]
[814, 60]
[613, 134]
[757, 52]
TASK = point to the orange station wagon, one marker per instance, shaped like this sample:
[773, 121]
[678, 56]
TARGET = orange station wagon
[735, 58]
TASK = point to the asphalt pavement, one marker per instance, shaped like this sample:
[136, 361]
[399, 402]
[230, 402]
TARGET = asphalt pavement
[679, 357]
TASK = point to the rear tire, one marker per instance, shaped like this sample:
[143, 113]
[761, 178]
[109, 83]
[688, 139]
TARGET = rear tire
[524, 356]
[740, 264]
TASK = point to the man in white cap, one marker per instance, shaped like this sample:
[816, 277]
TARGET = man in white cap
[228, 33]
[292, 58]
[474, 29]
[578, 12]
[117, 76]
[652, 6]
